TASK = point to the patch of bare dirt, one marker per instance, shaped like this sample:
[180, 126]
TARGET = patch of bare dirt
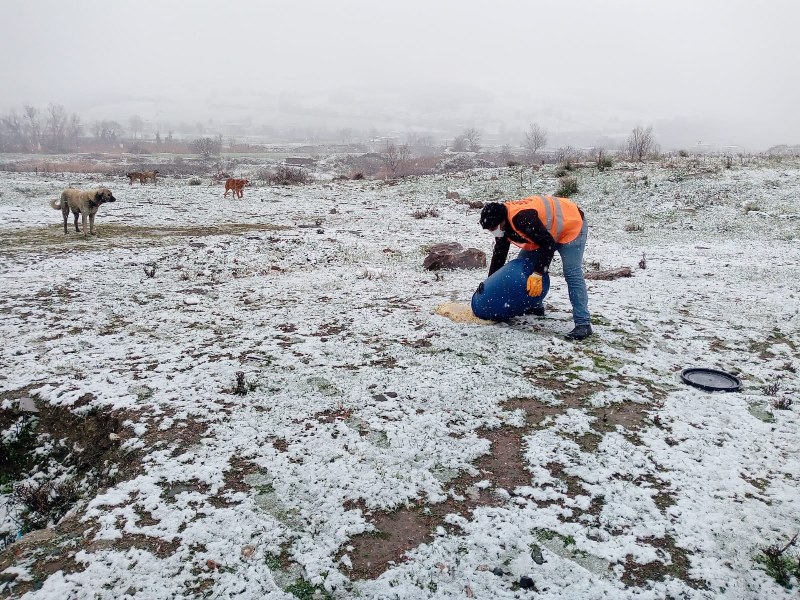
[116, 235]
[399, 531]
[637, 575]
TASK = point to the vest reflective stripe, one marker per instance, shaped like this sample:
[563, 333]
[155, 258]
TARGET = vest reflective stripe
[548, 213]
[559, 218]
[559, 215]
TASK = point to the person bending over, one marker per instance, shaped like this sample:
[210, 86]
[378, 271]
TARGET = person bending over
[540, 226]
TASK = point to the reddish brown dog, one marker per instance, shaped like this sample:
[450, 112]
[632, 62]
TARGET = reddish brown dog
[237, 185]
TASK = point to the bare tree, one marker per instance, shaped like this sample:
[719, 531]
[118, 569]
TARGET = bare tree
[55, 128]
[136, 124]
[459, 144]
[391, 157]
[74, 129]
[566, 155]
[404, 156]
[535, 139]
[346, 135]
[206, 146]
[640, 142]
[473, 138]
[106, 130]
[33, 128]
[13, 126]
[395, 158]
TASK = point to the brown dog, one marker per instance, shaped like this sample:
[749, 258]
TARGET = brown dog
[134, 175]
[148, 175]
[237, 185]
[84, 203]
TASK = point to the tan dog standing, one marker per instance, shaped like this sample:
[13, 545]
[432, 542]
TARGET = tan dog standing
[134, 175]
[85, 203]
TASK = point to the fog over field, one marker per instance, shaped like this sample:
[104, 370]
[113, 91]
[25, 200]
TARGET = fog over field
[270, 371]
[719, 73]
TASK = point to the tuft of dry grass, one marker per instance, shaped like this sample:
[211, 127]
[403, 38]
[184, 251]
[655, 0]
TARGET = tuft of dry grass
[428, 212]
[633, 227]
[72, 166]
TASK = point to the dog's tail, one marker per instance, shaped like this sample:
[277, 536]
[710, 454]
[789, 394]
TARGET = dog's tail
[56, 204]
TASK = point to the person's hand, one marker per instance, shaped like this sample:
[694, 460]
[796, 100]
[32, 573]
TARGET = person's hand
[535, 285]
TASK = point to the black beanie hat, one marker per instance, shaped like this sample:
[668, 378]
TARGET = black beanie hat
[493, 214]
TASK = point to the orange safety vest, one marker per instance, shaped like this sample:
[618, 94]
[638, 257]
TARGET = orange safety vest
[559, 215]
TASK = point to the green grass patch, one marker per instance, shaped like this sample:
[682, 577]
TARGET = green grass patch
[305, 591]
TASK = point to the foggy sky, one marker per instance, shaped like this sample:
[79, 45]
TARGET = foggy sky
[695, 69]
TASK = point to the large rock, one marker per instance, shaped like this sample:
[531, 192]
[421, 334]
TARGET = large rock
[452, 255]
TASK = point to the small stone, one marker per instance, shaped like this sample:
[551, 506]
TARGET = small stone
[379, 398]
[38, 536]
[536, 554]
[526, 583]
[26, 404]
[391, 394]
[212, 565]
[191, 300]
[248, 550]
[498, 571]
[452, 255]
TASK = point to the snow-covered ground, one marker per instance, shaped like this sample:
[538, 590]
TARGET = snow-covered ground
[361, 401]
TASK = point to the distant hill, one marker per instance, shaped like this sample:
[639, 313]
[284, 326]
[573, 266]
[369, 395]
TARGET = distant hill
[784, 150]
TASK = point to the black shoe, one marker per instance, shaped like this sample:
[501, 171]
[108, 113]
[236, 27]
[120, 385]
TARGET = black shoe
[537, 311]
[580, 332]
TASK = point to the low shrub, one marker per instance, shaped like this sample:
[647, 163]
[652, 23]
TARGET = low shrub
[195, 181]
[564, 168]
[780, 564]
[782, 403]
[603, 162]
[567, 186]
[289, 176]
[43, 502]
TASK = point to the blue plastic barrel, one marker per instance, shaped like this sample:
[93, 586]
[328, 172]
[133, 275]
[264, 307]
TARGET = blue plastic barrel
[505, 295]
